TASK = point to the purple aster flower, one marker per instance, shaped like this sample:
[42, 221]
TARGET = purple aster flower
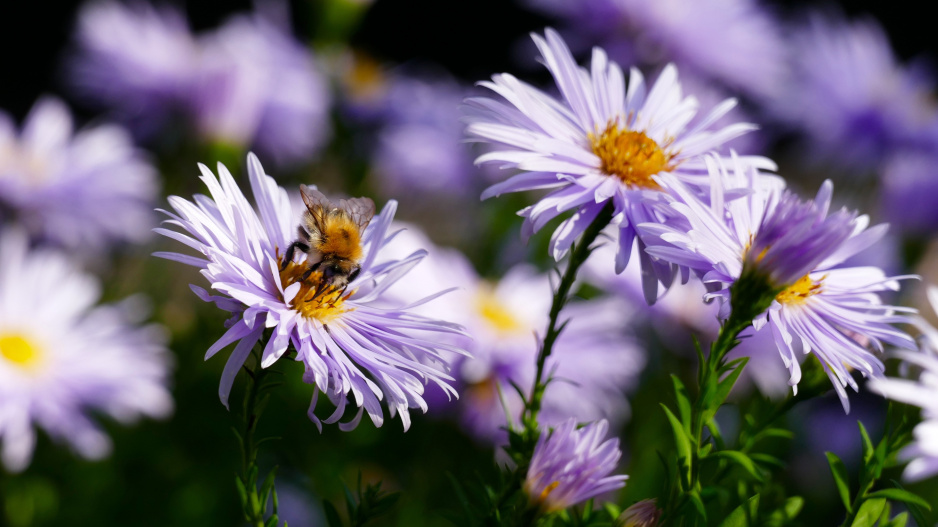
[795, 246]
[571, 465]
[909, 184]
[923, 392]
[594, 363]
[644, 513]
[850, 95]
[420, 147]
[61, 362]
[602, 143]
[353, 346]
[259, 86]
[736, 42]
[137, 59]
[79, 189]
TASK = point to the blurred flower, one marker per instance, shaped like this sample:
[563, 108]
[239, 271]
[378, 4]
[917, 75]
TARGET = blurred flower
[80, 190]
[63, 359]
[794, 246]
[258, 86]
[736, 42]
[600, 144]
[420, 147]
[849, 94]
[909, 185]
[644, 513]
[135, 58]
[595, 360]
[349, 346]
[571, 465]
[923, 452]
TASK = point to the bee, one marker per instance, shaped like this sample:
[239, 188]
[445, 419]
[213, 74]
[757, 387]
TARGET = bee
[331, 237]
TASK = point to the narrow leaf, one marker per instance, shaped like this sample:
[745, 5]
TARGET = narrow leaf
[839, 471]
[682, 442]
[867, 444]
[901, 495]
[869, 513]
[683, 403]
[742, 515]
[742, 460]
[332, 515]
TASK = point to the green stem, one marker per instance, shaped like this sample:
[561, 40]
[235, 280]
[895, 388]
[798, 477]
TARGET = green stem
[253, 509]
[578, 255]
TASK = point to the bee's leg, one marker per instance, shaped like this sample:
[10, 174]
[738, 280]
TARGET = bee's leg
[288, 255]
[310, 271]
[319, 290]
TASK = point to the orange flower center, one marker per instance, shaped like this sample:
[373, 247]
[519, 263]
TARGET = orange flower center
[631, 156]
[799, 292]
[314, 300]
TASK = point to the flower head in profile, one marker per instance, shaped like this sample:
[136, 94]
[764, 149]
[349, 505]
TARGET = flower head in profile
[571, 465]
[923, 392]
[354, 347]
[82, 190]
[601, 144]
[63, 359]
[768, 245]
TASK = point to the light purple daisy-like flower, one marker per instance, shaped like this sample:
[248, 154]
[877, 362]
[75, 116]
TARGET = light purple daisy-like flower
[602, 143]
[850, 95]
[137, 59]
[595, 360]
[923, 392]
[834, 312]
[81, 189]
[572, 465]
[908, 187]
[63, 359]
[736, 42]
[353, 346]
[258, 86]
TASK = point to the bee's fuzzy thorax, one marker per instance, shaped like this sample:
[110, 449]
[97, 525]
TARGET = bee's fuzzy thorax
[341, 238]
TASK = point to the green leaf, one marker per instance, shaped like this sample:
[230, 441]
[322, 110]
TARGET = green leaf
[242, 493]
[743, 515]
[683, 403]
[839, 471]
[917, 514]
[698, 505]
[682, 442]
[869, 513]
[793, 506]
[460, 494]
[272, 521]
[781, 433]
[332, 515]
[901, 495]
[742, 460]
[725, 385]
[267, 486]
[899, 521]
[767, 459]
[868, 448]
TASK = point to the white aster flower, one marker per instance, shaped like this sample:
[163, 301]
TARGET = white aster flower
[63, 359]
[353, 346]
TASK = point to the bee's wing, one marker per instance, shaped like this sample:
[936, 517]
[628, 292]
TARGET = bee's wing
[317, 207]
[361, 210]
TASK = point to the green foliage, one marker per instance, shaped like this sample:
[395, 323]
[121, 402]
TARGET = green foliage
[362, 506]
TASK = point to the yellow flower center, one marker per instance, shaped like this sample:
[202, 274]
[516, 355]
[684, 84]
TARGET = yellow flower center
[800, 291]
[547, 490]
[631, 156]
[19, 351]
[495, 313]
[314, 300]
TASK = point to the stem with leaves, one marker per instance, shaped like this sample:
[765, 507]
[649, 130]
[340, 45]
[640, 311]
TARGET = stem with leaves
[254, 499]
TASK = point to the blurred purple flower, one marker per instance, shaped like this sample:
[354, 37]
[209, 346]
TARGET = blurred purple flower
[81, 190]
[603, 143]
[850, 96]
[258, 86]
[571, 465]
[420, 147]
[737, 42]
[909, 186]
[595, 360]
[352, 345]
[136, 59]
[63, 359]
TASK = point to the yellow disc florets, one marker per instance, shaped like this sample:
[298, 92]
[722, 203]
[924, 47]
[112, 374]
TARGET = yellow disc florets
[800, 291]
[19, 351]
[629, 155]
[314, 300]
